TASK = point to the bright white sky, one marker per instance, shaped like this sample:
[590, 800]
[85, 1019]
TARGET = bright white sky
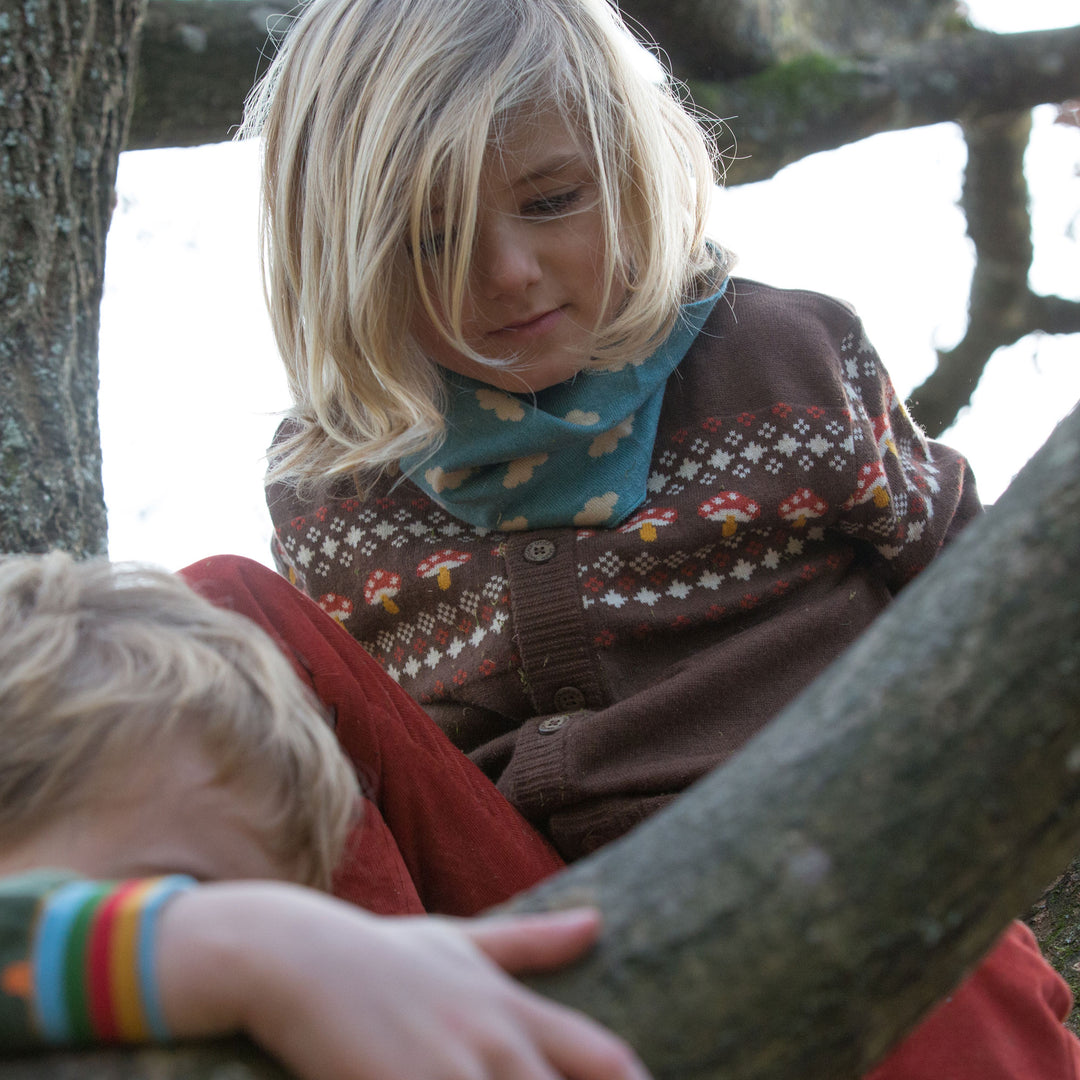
[190, 380]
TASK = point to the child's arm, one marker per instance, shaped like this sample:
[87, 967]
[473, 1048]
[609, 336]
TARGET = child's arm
[334, 992]
[913, 495]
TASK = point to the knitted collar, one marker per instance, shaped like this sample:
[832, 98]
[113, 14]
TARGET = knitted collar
[577, 453]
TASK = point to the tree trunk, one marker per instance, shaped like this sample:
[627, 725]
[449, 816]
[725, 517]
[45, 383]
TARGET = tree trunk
[65, 82]
[797, 911]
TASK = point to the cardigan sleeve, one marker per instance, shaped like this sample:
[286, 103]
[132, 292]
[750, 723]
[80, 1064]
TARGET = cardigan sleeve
[912, 495]
[22, 899]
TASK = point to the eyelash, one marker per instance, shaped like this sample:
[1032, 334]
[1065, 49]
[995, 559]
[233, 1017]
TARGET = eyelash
[546, 206]
[553, 204]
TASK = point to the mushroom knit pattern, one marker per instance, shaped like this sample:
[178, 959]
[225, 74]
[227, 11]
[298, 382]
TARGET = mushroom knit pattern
[594, 673]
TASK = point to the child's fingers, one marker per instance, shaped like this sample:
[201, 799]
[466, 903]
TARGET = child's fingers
[572, 1044]
[520, 943]
[580, 1049]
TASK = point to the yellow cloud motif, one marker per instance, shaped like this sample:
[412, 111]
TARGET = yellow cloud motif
[521, 471]
[581, 418]
[443, 481]
[616, 366]
[518, 524]
[609, 441]
[502, 405]
[597, 510]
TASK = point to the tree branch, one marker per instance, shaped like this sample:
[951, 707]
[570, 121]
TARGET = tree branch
[722, 41]
[815, 103]
[1002, 309]
[198, 61]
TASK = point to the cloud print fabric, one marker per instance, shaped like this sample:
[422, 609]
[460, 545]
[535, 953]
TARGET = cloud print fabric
[574, 454]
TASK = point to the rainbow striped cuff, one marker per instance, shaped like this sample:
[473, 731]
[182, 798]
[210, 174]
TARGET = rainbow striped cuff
[93, 960]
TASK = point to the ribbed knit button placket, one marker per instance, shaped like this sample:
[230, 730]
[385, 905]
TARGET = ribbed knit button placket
[561, 675]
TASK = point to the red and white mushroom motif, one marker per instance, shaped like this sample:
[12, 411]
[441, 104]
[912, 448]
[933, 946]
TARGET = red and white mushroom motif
[337, 607]
[883, 435]
[872, 485]
[646, 522]
[440, 564]
[731, 508]
[381, 587]
[802, 506]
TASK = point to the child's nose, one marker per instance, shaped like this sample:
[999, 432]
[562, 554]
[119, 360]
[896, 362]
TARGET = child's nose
[507, 260]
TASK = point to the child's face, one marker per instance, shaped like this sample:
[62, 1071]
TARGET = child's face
[534, 290]
[166, 818]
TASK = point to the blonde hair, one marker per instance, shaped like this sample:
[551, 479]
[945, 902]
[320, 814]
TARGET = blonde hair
[102, 664]
[370, 110]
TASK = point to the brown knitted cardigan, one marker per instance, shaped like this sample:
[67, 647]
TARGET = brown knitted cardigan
[594, 674]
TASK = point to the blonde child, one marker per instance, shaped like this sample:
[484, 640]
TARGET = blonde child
[599, 506]
[153, 740]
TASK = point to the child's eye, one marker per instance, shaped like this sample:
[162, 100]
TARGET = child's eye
[432, 245]
[552, 205]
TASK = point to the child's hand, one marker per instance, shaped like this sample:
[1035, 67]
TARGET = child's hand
[339, 994]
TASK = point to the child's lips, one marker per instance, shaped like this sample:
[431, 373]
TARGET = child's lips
[535, 326]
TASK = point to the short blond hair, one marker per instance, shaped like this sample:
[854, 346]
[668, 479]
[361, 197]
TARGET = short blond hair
[369, 109]
[102, 664]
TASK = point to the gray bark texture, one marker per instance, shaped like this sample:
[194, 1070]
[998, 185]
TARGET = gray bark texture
[724, 41]
[800, 909]
[66, 71]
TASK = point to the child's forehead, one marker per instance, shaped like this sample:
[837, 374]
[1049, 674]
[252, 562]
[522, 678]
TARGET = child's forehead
[536, 145]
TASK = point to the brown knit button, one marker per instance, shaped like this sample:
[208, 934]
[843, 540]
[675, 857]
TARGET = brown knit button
[539, 550]
[550, 724]
[569, 699]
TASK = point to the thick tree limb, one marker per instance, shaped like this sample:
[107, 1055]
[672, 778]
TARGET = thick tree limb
[816, 103]
[798, 910]
[1002, 308]
[198, 61]
[233, 1059]
[721, 41]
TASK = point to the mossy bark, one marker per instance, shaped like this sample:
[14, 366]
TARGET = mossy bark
[1055, 920]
